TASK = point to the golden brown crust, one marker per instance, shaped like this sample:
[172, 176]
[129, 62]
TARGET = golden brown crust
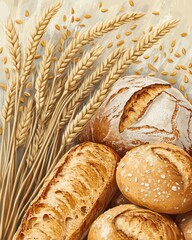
[128, 222]
[77, 191]
[157, 176]
[185, 223]
[134, 113]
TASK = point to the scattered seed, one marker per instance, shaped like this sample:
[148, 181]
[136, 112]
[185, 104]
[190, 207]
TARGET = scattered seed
[184, 34]
[177, 67]
[37, 56]
[64, 18]
[6, 70]
[150, 28]
[82, 25]
[133, 27]
[1, 50]
[65, 27]
[146, 57]
[172, 81]
[151, 67]
[151, 74]
[135, 40]
[21, 99]
[186, 96]
[131, 3]
[21, 108]
[43, 43]
[190, 65]
[177, 55]
[128, 33]
[110, 45]
[118, 36]
[171, 50]
[160, 47]
[183, 67]
[26, 13]
[100, 4]
[27, 94]
[184, 51]
[165, 54]
[155, 13]
[186, 79]
[57, 27]
[28, 85]
[5, 60]
[72, 19]
[137, 73]
[3, 86]
[18, 21]
[68, 32]
[164, 73]
[155, 59]
[121, 42]
[169, 60]
[138, 62]
[87, 16]
[173, 43]
[182, 88]
[77, 19]
[104, 10]
[72, 11]
[172, 74]
[8, 76]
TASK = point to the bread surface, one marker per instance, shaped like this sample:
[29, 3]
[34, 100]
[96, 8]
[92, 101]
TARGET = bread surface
[158, 177]
[140, 110]
[185, 223]
[76, 192]
[128, 222]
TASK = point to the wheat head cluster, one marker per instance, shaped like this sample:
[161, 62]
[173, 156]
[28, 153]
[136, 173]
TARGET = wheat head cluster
[36, 135]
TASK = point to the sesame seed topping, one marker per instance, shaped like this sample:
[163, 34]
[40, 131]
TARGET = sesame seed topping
[163, 176]
[136, 179]
[174, 188]
[126, 189]
[129, 175]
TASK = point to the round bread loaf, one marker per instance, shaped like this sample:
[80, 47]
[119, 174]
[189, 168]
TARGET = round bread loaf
[185, 223]
[129, 222]
[141, 110]
[158, 177]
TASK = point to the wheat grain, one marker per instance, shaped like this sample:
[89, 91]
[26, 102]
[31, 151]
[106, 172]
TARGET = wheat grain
[95, 32]
[128, 58]
[14, 45]
[89, 83]
[24, 124]
[35, 40]
[43, 76]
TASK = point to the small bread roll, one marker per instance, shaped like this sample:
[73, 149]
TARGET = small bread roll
[118, 199]
[158, 177]
[77, 191]
[185, 223]
[140, 110]
[133, 223]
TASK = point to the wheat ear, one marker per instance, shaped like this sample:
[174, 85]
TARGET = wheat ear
[14, 45]
[94, 32]
[76, 75]
[43, 77]
[24, 124]
[35, 40]
[126, 60]
[89, 83]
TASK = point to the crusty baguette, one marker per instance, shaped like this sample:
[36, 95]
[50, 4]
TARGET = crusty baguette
[77, 191]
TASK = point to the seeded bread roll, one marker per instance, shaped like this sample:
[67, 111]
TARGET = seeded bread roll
[141, 110]
[77, 191]
[132, 223]
[185, 223]
[158, 177]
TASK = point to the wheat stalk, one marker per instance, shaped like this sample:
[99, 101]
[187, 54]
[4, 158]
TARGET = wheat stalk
[14, 45]
[94, 32]
[35, 40]
[43, 77]
[126, 60]
[76, 75]
[89, 83]
[24, 124]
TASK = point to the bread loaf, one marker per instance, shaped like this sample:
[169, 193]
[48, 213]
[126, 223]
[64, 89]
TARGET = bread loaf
[77, 191]
[157, 176]
[141, 110]
[185, 223]
[132, 223]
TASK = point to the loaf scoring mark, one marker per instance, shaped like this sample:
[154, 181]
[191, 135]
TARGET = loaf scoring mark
[178, 160]
[139, 102]
[117, 93]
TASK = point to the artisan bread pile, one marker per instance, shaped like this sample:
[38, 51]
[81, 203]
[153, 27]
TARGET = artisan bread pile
[130, 179]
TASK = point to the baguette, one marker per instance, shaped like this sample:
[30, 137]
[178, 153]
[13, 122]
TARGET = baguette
[75, 193]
